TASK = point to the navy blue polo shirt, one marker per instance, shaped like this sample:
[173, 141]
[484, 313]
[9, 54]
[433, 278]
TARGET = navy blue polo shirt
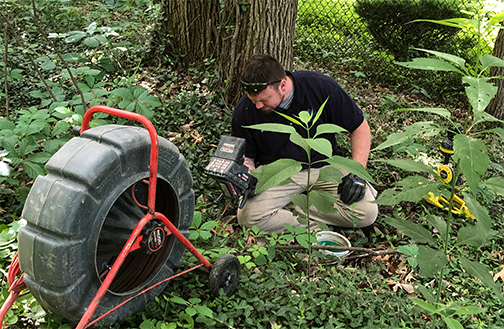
[311, 89]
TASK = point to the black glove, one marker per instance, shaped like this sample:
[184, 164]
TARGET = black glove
[251, 187]
[352, 188]
[249, 193]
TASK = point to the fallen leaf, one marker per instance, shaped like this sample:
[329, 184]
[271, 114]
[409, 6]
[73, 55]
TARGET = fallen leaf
[251, 241]
[499, 275]
[409, 288]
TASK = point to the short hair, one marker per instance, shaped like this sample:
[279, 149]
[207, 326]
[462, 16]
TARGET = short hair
[263, 69]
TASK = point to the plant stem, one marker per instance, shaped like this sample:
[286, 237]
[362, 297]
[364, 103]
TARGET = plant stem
[27, 54]
[6, 88]
[35, 18]
[371, 252]
[307, 214]
[446, 237]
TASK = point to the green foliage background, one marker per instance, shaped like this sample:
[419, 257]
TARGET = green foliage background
[107, 47]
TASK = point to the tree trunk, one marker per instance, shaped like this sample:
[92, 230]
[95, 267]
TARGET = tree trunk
[496, 106]
[231, 31]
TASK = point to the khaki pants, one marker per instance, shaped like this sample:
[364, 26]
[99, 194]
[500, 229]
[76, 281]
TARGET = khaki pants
[266, 210]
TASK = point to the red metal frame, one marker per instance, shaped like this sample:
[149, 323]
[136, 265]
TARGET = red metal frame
[151, 201]
[16, 286]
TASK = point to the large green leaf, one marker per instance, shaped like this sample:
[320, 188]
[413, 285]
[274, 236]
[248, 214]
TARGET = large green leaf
[144, 110]
[459, 61]
[350, 165]
[273, 127]
[75, 36]
[92, 42]
[321, 145]
[451, 323]
[319, 112]
[305, 117]
[479, 91]
[470, 236]
[53, 145]
[411, 189]
[424, 128]
[496, 19]
[481, 272]
[60, 127]
[88, 70]
[438, 223]
[151, 101]
[48, 66]
[299, 141]
[291, 119]
[432, 64]
[486, 117]
[323, 201]
[6, 124]
[496, 184]
[393, 139]
[408, 164]
[473, 157]
[64, 110]
[35, 127]
[91, 28]
[124, 93]
[274, 173]
[125, 103]
[461, 23]
[483, 219]
[415, 231]
[425, 293]
[33, 169]
[330, 174]
[139, 92]
[434, 110]
[72, 57]
[299, 200]
[328, 128]
[488, 60]
[131, 106]
[40, 157]
[430, 261]
[423, 304]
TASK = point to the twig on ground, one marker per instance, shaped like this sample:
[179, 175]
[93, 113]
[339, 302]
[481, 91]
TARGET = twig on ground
[369, 252]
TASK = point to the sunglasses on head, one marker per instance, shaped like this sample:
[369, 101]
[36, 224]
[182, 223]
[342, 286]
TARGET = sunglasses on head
[256, 87]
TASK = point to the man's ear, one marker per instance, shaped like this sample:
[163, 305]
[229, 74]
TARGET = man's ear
[283, 85]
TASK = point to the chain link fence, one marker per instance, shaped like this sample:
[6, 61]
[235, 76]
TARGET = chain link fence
[365, 37]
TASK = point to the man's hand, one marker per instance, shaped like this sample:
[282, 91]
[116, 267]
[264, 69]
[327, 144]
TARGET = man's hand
[252, 186]
[352, 189]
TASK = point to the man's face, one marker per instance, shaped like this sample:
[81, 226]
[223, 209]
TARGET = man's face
[268, 99]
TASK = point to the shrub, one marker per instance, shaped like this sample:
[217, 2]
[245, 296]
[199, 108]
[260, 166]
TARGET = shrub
[390, 23]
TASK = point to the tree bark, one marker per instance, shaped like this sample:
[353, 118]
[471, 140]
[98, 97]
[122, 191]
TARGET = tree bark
[496, 106]
[231, 31]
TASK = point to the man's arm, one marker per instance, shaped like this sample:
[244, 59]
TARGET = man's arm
[360, 140]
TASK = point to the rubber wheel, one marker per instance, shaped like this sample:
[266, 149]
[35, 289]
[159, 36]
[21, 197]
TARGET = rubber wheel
[225, 275]
[81, 213]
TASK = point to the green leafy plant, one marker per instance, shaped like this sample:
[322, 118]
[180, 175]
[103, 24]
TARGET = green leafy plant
[281, 171]
[471, 159]
[93, 36]
[35, 136]
[137, 99]
[199, 229]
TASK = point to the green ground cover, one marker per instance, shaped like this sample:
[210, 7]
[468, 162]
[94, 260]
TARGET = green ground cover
[371, 289]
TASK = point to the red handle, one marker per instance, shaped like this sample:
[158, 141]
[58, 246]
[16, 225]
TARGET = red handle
[151, 201]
